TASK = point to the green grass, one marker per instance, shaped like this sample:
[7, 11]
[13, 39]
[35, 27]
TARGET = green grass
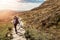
[4, 30]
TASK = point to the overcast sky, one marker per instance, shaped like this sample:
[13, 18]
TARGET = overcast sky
[19, 5]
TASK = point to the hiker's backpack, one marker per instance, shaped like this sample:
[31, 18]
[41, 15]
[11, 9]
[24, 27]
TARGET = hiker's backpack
[15, 21]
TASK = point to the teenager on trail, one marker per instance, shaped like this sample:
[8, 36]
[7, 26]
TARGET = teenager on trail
[15, 22]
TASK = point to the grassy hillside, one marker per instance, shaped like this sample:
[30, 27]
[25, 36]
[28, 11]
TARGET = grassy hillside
[43, 23]
[4, 30]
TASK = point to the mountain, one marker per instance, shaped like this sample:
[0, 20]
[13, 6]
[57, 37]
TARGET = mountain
[44, 21]
[50, 9]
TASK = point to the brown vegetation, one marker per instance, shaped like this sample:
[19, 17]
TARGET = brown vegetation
[45, 19]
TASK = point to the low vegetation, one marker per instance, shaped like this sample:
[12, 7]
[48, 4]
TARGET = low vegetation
[43, 23]
[4, 30]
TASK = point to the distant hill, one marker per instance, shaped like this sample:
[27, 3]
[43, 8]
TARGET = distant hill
[7, 15]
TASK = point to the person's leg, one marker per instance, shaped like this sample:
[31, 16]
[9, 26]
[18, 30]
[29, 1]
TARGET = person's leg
[15, 28]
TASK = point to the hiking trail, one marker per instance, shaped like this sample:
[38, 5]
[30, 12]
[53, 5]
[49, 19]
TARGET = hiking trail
[19, 35]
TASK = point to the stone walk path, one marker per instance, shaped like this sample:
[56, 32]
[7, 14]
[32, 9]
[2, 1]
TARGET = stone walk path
[20, 35]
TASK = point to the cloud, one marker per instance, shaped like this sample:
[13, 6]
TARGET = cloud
[17, 6]
[33, 1]
[28, 6]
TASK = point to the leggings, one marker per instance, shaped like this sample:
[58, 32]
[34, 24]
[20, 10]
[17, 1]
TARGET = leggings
[15, 28]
